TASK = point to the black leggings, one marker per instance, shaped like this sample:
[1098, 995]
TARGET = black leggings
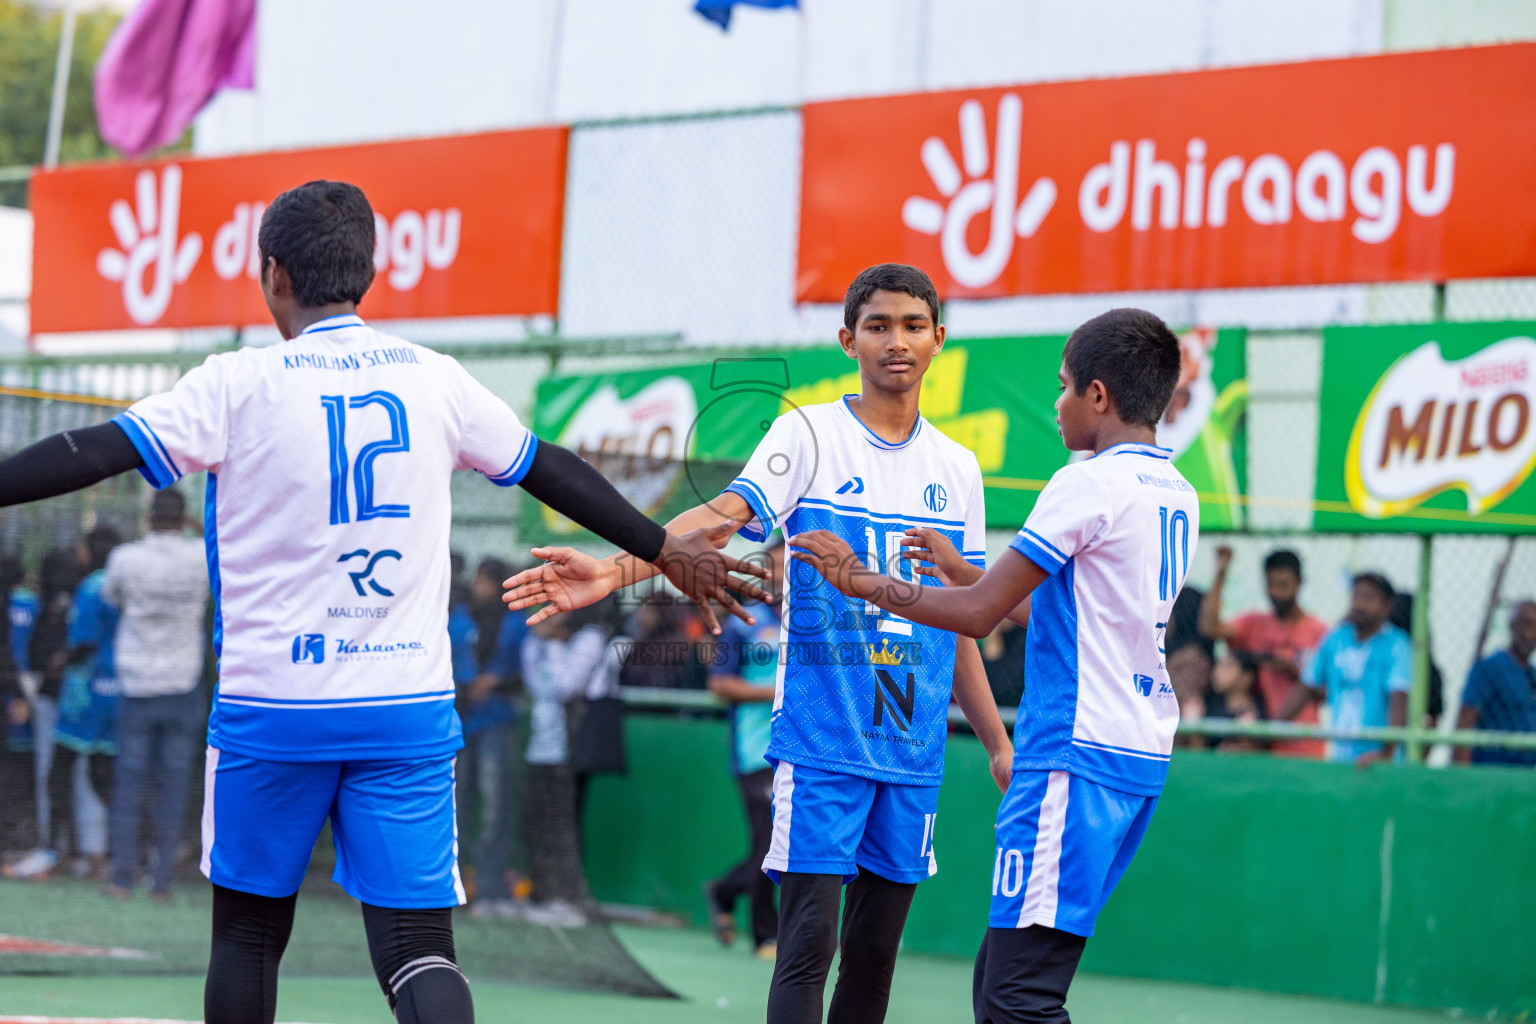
[412, 952]
[61, 793]
[874, 915]
[1022, 975]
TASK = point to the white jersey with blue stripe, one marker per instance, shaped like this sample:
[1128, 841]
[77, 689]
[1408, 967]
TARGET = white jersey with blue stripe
[326, 515]
[861, 691]
[1115, 533]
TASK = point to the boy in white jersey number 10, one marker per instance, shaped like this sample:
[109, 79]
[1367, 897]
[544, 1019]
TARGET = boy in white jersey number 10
[1094, 571]
[859, 719]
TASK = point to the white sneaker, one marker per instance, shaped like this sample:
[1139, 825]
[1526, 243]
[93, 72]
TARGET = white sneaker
[555, 914]
[36, 864]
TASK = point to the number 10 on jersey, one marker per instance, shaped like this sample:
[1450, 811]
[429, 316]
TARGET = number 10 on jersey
[399, 440]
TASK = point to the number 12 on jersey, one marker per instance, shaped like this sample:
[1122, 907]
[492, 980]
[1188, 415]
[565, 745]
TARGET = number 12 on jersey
[399, 440]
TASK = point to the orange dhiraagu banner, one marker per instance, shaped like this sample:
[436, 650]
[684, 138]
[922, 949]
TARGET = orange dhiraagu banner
[1416, 166]
[467, 226]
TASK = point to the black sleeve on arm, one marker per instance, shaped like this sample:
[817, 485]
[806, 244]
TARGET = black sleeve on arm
[66, 462]
[560, 479]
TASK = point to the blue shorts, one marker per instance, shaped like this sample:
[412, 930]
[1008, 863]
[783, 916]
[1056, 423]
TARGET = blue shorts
[1062, 844]
[827, 823]
[396, 832]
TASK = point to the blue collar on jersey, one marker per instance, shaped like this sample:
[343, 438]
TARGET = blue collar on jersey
[1151, 451]
[875, 439]
[333, 323]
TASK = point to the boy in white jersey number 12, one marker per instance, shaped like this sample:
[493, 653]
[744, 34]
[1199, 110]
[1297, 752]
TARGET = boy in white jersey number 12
[329, 459]
[860, 718]
[1095, 571]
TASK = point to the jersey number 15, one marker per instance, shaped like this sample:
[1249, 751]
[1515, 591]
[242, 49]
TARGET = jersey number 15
[399, 440]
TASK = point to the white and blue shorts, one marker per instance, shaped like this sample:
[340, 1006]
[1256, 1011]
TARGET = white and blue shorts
[396, 832]
[828, 823]
[1062, 844]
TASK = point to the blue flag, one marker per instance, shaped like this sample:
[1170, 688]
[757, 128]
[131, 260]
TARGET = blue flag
[719, 11]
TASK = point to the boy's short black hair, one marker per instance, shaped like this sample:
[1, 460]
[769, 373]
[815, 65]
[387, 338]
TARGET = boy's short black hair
[1136, 357]
[322, 234]
[1377, 582]
[1283, 560]
[889, 277]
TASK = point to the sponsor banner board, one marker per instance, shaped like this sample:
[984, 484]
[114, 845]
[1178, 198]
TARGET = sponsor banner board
[1387, 168]
[1427, 428]
[673, 438]
[466, 226]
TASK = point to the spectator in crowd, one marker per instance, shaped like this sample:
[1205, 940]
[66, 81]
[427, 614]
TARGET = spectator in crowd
[83, 735]
[559, 657]
[1234, 697]
[1363, 669]
[487, 649]
[744, 672]
[1500, 695]
[16, 815]
[662, 655]
[1279, 639]
[159, 587]
[1434, 705]
[61, 572]
[1002, 655]
[598, 736]
[1190, 657]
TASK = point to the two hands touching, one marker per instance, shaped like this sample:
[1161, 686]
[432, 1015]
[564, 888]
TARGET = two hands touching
[569, 579]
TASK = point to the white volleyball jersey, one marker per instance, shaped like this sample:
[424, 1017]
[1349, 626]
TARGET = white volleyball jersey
[1116, 534]
[860, 690]
[326, 517]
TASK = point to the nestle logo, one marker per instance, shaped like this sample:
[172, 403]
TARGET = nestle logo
[310, 648]
[1143, 684]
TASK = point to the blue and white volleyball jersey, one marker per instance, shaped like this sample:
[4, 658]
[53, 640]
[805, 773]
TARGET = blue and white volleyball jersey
[326, 514]
[859, 690]
[1116, 534]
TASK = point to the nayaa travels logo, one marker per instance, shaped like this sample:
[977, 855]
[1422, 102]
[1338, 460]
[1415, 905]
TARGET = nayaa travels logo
[1432, 425]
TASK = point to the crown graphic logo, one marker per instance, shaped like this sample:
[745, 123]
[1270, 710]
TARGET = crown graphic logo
[884, 656]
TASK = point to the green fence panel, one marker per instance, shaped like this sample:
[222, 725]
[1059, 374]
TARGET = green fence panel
[1257, 872]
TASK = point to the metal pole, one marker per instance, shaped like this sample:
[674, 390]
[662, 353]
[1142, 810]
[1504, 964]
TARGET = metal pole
[1418, 696]
[60, 86]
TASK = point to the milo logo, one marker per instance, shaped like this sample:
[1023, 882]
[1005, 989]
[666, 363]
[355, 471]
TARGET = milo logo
[1431, 425]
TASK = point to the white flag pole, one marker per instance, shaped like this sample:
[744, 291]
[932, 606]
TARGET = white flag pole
[60, 86]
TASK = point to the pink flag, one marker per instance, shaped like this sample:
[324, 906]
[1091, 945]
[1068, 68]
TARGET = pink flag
[165, 62]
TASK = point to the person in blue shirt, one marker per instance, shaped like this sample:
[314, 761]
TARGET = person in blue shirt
[744, 672]
[1363, 668]
[1501, 692]
[487, 643]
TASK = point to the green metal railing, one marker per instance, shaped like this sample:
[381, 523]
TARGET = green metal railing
[649, 699]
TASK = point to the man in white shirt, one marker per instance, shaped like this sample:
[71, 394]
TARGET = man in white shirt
[159, 585]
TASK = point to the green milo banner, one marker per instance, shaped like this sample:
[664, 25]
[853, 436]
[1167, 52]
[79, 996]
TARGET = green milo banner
[1427, 428]
[674, 437]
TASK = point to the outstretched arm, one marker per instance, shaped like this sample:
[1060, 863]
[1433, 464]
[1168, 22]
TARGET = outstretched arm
[66, 462]
[691, 561]
[570, 579]
[974, 611]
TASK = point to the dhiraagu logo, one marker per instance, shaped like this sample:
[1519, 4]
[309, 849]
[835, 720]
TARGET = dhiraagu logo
[1433, 424]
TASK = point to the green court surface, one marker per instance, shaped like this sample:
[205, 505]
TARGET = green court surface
[719, 987]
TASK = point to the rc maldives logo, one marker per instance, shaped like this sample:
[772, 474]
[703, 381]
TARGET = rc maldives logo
[989, 184]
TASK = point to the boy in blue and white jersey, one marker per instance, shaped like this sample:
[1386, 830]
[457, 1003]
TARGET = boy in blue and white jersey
[862, 694]
[329, 459]
[1094, 573]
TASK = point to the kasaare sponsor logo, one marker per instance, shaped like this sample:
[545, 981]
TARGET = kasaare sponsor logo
[347, 649]
[1432, 425]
